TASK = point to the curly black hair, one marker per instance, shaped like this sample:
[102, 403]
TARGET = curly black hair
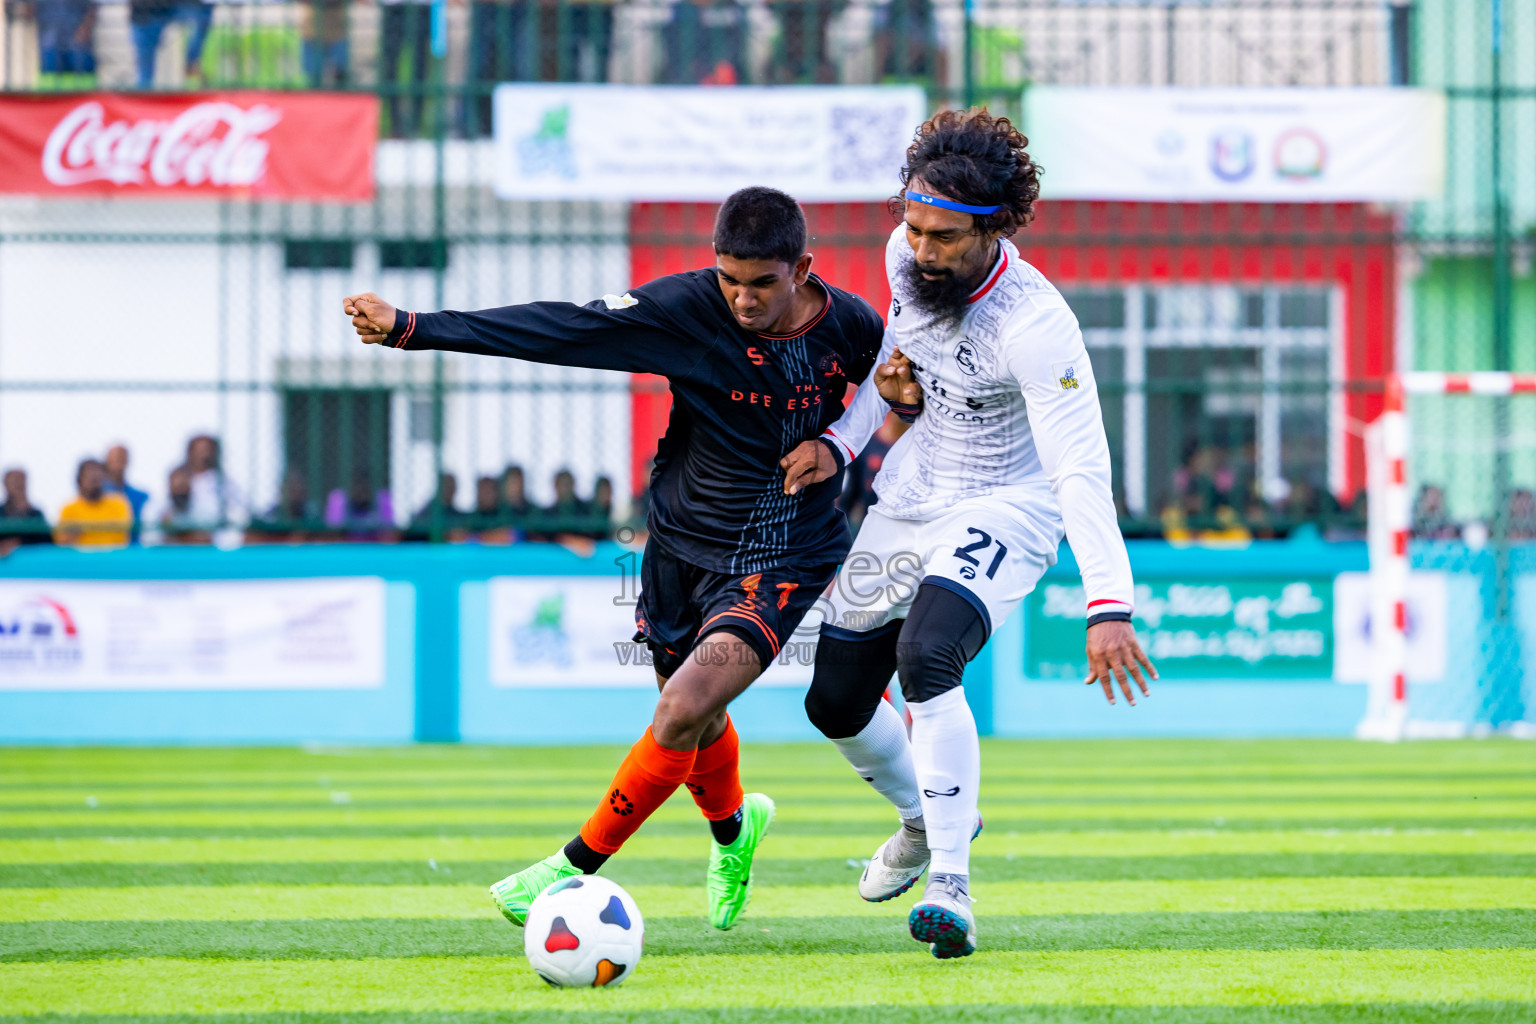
[977, 159]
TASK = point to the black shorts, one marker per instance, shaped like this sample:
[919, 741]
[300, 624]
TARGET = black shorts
[679, 602]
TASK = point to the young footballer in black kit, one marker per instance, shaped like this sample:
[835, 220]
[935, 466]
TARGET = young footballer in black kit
[759, 352]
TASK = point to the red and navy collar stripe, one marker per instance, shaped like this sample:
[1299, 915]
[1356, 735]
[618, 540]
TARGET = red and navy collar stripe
[814, 320]
[992, 278]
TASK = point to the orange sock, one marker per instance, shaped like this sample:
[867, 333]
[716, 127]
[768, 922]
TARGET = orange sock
[643, 782]
[716, 779]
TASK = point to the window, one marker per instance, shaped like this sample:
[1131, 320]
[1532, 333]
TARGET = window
[1212, 389]
[318, 253]
[413, 254]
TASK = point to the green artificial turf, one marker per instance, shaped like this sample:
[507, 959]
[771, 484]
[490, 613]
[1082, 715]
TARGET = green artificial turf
[1273, 882]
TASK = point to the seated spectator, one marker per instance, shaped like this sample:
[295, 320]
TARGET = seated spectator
[567, 507]
[1520, 520]
[325, 44]
[907, 42]
[216, 501]
[148, 20]
[360, 512]
[95, 518]
[600, 510]
[802, 55]
[1431, 520]
[176, 519]
[705, 43]
[66, 41]
[515, 506]
[1260, 524]
[294, 518]
[446, 498]
[117, 483]
[20, 521]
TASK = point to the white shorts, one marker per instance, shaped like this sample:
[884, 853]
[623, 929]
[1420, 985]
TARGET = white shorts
[989, 551]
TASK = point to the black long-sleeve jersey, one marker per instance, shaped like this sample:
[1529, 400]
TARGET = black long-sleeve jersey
[741, 401]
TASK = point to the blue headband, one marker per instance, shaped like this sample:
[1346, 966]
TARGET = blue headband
[918, 197]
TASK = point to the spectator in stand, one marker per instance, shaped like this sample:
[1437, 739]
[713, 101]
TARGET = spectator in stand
[907, 42]
[20, 521]
[326, 63]
[1260, 524]
[567, 507]
[360, 512]
[1431, 520]
[487, 503]
[95, 518]
[802, 55]
[216, 501]
[447, 497]
[516, 509]
[406, 29]
[1520, 520]
[600, 510]
[292, 519]
[705, 42]
[66, 41]
[148, 20]
[533, 41]
[176, 519]
[117, 483]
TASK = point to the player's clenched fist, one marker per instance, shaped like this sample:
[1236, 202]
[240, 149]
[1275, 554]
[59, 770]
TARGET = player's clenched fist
[372, 316]
[895, 381]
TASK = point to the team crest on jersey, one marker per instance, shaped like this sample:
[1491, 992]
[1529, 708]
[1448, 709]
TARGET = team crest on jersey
[895, 306]
[831, 368]
[965, 355]
[1066, 376]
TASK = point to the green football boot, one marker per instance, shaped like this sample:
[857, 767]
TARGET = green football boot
[730, 867]
[514, 894]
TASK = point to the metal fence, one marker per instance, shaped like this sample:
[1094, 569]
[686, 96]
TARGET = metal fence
[1239, 348]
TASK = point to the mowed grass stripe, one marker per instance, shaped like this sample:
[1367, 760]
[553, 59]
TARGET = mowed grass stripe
[1099, 977]
[950, 1013]
[690, 825]
[833, 789]
[645, 845]
[773, 868]
[258, 903]
[865, 809]
[676, 936]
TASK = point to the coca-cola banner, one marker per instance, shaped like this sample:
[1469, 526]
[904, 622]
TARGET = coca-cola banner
[261, 144]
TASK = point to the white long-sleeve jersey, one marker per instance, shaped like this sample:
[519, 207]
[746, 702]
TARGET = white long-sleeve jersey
[1010, 413]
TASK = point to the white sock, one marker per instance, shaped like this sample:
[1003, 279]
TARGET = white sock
[947, 755]
[882, 756]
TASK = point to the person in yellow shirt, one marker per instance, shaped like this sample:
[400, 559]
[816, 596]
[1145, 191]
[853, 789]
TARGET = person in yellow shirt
[95, 518]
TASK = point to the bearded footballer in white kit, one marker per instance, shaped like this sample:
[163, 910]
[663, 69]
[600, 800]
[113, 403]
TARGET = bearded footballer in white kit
[1006, 454]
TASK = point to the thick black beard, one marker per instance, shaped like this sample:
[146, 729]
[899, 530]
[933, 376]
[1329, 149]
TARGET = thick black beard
[945, 297]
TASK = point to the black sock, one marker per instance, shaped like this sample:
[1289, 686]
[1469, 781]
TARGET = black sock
[584, 857]
[726, 830]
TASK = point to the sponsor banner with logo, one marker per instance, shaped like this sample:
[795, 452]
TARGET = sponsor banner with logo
[578, 631]
[696, 143]
[1239, 628]
[1265, 145]
[205, 635]
[291, 145]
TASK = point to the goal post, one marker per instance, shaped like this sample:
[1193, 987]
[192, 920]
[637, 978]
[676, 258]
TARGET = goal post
[1450, 477]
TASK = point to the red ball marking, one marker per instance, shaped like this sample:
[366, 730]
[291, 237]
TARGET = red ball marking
[560, 937]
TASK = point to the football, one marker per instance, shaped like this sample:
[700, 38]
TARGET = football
[584, 932]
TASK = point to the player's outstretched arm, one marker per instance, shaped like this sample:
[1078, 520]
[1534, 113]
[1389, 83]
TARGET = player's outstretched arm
[632, 332]
[1114, 653]
[819, 458]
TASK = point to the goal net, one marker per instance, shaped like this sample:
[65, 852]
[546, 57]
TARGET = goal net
[1451, 481]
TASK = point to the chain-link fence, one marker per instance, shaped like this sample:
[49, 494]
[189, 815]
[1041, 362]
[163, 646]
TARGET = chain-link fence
[1239, 347]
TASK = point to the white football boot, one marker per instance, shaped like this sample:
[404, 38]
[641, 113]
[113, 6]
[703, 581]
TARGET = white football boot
[943, 918]
[898, 864]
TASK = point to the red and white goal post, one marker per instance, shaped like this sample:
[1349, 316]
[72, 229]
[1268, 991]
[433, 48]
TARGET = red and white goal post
[1390, 484]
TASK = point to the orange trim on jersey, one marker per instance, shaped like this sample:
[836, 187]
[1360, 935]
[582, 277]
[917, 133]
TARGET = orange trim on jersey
[981, 292]
[410, 329]
[753, 617]
[814, 320]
